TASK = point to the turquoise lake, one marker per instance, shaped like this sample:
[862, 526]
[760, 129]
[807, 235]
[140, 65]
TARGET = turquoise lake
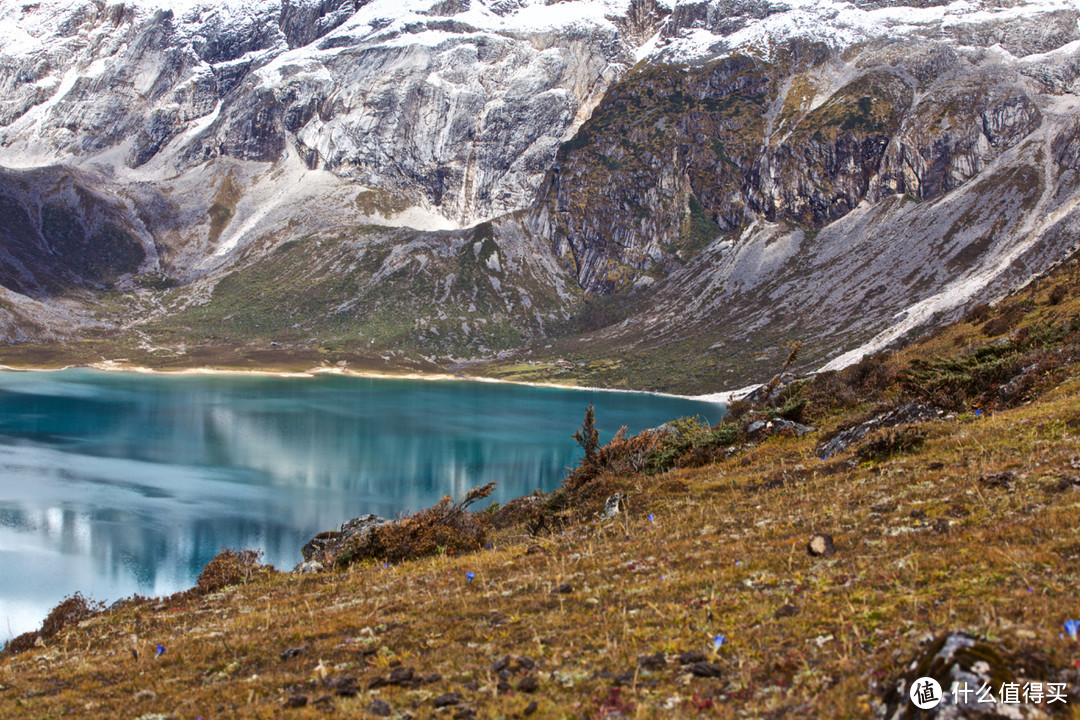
[119, 483]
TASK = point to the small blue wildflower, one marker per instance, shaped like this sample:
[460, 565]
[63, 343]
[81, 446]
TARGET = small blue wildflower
[978, 412]
[651, 518]
[738, 563]
[1072, 627]
[469, 576]
[160, 650]
[718, 642]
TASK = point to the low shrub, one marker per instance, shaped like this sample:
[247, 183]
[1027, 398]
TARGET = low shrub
[888, 442]
[975, 378]
[446, 527]
[229, 567]
[1003, 322]
[737, 409]
[69, 613]
[692, 443]
[978, 314]
[867, 382]
[793, 410]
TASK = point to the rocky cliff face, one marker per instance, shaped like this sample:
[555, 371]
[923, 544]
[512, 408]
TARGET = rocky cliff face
[447, 107]
[674, 159]
[734, 174]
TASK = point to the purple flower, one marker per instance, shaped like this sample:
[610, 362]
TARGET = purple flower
[469, 576]
[651, 518]
[160, 650]
[1072, 627]
[718, 642]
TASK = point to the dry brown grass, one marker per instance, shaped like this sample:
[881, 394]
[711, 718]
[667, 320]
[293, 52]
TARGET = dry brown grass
[589, 620]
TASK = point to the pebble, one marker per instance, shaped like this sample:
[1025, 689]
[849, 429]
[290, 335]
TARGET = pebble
[292, 652]
[820, 545]
[705, 669]
[691, 656]
[379, 707]
[296, 701]
[447, 699]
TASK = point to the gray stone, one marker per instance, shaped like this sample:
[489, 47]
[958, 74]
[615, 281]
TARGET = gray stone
[613, 506]
[820, 545]
[958, 659]
[447, 699]
[362, 525]
[326, 545]
[761, 429]
[308, 566]
[380, 707]
[319, 543]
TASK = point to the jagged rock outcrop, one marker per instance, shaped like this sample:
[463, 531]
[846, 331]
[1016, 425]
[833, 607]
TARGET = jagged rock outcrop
[60, 233]
[743, 139]
[905, 414]
[325, 546]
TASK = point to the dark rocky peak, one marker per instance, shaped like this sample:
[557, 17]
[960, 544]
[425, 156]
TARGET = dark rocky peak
[60, 234]
[721, 17]
[303, 21]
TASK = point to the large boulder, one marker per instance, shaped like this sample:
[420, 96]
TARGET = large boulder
[325, 546]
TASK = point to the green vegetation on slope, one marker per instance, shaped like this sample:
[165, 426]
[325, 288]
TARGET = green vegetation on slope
[362, 291]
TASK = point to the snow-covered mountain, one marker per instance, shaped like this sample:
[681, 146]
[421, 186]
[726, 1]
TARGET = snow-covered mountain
[462, 177]
[451, 109]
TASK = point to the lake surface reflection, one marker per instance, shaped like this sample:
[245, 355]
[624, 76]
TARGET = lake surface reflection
[117, 483]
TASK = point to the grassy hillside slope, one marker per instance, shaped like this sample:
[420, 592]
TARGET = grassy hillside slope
[965, 523]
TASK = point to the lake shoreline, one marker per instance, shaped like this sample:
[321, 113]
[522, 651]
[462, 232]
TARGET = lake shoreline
[211, 459]
[115, 367]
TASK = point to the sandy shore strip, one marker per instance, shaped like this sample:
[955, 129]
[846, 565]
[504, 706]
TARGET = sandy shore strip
[721, 398]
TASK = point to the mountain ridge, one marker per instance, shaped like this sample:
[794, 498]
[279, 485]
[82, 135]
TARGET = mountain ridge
[840, 174]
